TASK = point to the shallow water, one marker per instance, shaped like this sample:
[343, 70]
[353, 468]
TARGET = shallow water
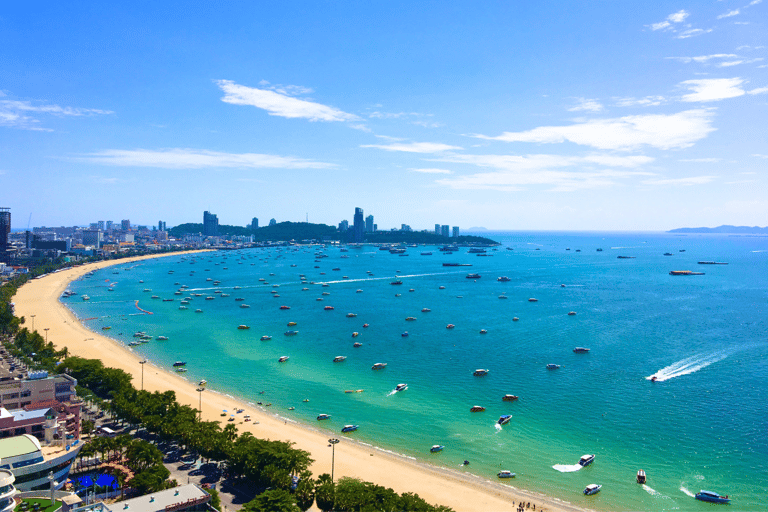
[702, 424]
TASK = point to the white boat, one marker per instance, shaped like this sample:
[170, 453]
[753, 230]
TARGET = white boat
[379, 366]
[592, 489]
[339, 359]
[323, 417]
[505, 473]
[586, 460]
[436, 448]
[480, 372]
[401, 387]
[283, 359]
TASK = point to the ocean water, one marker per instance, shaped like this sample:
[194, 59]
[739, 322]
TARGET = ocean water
[702, 425]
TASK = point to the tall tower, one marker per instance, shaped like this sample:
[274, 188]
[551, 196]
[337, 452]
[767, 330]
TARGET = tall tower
[210, 224]
[5, 231]
[369, 224]
[359, 225]
[444, 230]
[437, 229]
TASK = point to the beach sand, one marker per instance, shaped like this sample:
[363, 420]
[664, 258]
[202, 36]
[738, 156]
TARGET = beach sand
[440, 486]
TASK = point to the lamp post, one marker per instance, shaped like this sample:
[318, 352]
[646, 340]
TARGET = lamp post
[333, 442]
[200, 390]
[142, 362]
[46, 334]
[33, 322]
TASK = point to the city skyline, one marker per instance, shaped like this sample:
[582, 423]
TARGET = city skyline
[555, 116]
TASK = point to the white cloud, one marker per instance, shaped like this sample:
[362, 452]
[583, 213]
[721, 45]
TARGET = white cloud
[694, 180]
[755, 2]
[279, 103]
[712, 89]
[24, 114]
[705, 58]
[702, 160]
[648, 101]
[759, 90]
[760, 156]
[413, 147]
[675, 17]
[587, 105]
[427, 124]
[361, 127]
[693, 32]
[729, 14]
[432, 171]
[679, 130]
[177, 158]
[387, 115]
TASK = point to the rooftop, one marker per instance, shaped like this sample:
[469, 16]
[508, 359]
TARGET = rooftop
[19, 445]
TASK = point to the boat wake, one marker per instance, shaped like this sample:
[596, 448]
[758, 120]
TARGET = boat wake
[392, 392]
[687, 366]
[686, 491]
[497, 427]
[653, 492]
[567, 468]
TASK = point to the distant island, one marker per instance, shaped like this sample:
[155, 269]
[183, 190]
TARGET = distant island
[727, 229]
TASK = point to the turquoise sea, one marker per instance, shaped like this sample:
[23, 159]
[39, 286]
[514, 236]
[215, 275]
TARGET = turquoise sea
[702, 425]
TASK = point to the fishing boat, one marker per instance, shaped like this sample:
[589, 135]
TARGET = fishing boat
[505, 473]
[592, 489]
[436, 448]
[349, 428]
[266, 338]
[509, 398]
[321, 417]
[283, 359]
[379, 366]
[339, 359]
[504, 419]
[586, 460]
[477, 408]
[480, 372]
[712, 497]
[641, 476]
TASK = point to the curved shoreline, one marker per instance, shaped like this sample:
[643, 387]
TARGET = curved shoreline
[437, 485]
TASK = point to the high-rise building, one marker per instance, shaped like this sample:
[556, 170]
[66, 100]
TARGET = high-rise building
[444, 230]
[161, 226]
[437, 229]
[272, 222]
[405, 227]
[5, 232]
[343, 226]
[369, 224]
[210, 224]
[108, 227]
[125, 225]
[92, 237]
[255, 223]
[100, 225]
[375, 228]
[359, 225]
[455, 231]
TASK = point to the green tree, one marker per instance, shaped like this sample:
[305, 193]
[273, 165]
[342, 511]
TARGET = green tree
[152, 479]
[142, 455]
[305, 491]
[276, 500]
[215, 499]
[325, 492]
[86, 427]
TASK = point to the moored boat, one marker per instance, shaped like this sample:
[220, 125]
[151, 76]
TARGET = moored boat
[505, 473]
[473, 276]
[509, 398]
[179, 363]
[323, 417]
[379, 366]
[266, 338]
[592, 489]
[553, 366]
[641, 476]
[480, 372]
[349, 428]
[243, 327]
[712, 497]
[580, 350]
[586, 460]
[339, 359]
[283, 359]
[503, 279]
[436, 448]
[477, 408]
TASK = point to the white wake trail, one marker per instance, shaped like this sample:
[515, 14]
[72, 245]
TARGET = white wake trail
[567, 468]
[687, 366]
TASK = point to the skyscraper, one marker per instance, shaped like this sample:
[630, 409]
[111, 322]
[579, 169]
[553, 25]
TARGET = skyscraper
[161, 226]
[343, 226]
[272, 222]
[455, 231]
[5, 231]
[125, 225]
[255, 223]
[369, 224]
[437, 229]
[210, 224]
[359, 225]
[109, 225]
[100, 225]
[445, 230]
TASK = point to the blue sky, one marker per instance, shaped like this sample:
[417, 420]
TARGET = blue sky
[507, 115]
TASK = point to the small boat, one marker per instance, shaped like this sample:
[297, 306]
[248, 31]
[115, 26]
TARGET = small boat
[396, 282]
[515, 319]
[291, 324]
[504, 419]
[654, 378]
[291, 333]
[321, 417]
[581, 350]
[106, 328]
[282, 359]
[285, 307]
[357, 344]
[339, 359]
[502, 296]
[483, 331]
[349, 428]
[473, 276]
[450, 326]
[266, 338]
[641, 477]
[134, 343]
[247, 417]
[405, 334]
[712, 497]
[505, 473]
[162, 338]
[553, 366]
[401, 387]
[592, 489]
[244, 306]
[180, 363]
[586, 460]
[425, 310]
[667, 254]
[359, 291]
[198, 311]
[365, 325]
[509, 398]
[410, 319]
[503, 279]
[379, 366]
[355, 334]
[480, 372]
[533, 300]
[436, 448]
[571, 313]
[239, 299]
[477, 408]
[351, 315]
[328, 308]
[243, 327]
[181, 370]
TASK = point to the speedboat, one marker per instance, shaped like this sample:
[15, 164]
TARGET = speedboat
[401, 387]
[351, 315]
[553, 366]
[505, 473]
[180, 363]
[425, 310]
[282, 359]
[477, 408]
[581, 350]
[266, 338]
[586, 460]
[504, 419]
[503, 279]
[410, 318]
[339, 359]
[404, 334]
[641, 477]
[379, 366]
[592, 489]
[450, 326]
[323, 417]
[436, 448]
[712, 497]
[357, 344]
[509, 398]
[291, 333]
[243, 327]
[480, 372]
[349, 428]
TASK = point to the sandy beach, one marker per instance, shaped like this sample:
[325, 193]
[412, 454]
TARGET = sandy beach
[458, 490]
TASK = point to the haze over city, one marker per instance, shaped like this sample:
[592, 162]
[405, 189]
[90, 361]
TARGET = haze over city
[561, 115]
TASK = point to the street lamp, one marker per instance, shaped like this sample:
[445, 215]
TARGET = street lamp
[142, 362]
[46, 334]
[33, 322]
[333, 442]
[200, 390]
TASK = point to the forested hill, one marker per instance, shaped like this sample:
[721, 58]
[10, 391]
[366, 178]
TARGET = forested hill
[741, 230]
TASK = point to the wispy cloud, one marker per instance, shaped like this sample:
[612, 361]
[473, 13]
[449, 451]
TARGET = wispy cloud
[712, 89]
[279, 103]
[648, 101]
[759, 90]
[587, 105]
[702, 160]
[675, 17]
[693, 32]
[729, 14]
[25, 114]
[432, 171]
[672, 131]
[413, 147]
[178, 158]
[693, 180]
[702, 59]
